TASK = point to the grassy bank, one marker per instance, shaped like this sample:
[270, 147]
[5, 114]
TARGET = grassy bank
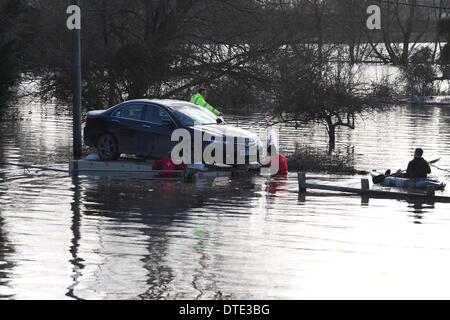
[309, 159]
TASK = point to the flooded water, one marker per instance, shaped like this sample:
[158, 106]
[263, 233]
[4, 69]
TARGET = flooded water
[91, 237]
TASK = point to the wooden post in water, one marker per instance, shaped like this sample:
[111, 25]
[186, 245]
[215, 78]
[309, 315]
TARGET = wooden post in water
[365, 185]
[189, 174]
[301, 182]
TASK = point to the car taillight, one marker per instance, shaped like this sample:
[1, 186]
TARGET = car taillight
[87, 122]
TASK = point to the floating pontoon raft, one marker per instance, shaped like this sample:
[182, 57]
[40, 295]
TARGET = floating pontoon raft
[144, 170]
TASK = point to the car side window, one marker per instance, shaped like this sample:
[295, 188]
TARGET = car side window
[133, 111]
[156, 115]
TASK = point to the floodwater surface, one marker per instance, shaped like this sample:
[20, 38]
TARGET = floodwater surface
[94, 237]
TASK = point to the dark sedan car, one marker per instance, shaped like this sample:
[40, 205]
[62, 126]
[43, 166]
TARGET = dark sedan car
[144, 128]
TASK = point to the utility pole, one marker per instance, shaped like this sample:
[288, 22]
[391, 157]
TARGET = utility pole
[76, 43]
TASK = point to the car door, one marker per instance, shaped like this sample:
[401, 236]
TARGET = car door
[126, 124]
[157, 136]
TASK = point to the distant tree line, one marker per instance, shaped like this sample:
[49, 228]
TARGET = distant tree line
[296, 59]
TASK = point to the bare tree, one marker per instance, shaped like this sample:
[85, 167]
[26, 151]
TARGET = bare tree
[400, 21]
[329, 94]
[186, 43]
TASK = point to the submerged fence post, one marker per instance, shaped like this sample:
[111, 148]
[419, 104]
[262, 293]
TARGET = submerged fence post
[301, 182]
[365, 185]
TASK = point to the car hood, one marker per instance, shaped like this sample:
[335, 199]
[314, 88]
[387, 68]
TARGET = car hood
[223, 130]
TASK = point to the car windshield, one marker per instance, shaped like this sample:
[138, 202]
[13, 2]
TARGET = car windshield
[190, 115]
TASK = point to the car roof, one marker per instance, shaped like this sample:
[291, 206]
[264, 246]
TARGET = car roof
[164, 102]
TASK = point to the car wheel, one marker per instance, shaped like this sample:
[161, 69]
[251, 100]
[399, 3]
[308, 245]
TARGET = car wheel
[107, 147]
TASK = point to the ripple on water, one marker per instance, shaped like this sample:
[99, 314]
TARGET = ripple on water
[247, 238]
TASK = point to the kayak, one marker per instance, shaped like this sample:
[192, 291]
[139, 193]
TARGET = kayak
[419, 183]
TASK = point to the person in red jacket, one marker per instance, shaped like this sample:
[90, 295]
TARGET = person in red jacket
[282, 163]
[167, 164]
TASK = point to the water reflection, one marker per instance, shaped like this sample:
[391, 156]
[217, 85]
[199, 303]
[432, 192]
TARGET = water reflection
[93, 237]
[276, 184]
[6, 265]
[6, 248]
[76, 261]
[155, 212]
[419, 208]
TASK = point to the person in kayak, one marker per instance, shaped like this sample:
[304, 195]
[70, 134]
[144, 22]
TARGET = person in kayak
[199, 99]
[418, 167]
